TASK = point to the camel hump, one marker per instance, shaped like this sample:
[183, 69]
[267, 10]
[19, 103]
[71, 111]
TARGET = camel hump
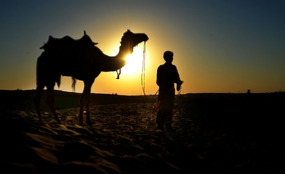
[53, 42]
[85, 39]
[67, 43]
[50, 38]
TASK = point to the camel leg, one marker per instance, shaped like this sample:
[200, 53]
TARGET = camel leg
[37, 100]
[85, 101]
[87, 104]
[50, 102]
[81, 110]
[88, 120]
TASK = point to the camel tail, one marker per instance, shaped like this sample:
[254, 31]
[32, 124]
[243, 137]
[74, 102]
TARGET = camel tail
[73, 83]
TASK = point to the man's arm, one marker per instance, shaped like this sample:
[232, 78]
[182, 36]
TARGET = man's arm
[177, 79]
[158, 74]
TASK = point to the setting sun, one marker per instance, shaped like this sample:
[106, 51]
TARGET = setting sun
[134, 62]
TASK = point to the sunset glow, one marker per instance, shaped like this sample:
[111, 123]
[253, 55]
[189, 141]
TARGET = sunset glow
[221, 46]
[134, 62]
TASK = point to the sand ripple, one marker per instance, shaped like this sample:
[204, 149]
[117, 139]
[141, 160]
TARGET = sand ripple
[124, 139]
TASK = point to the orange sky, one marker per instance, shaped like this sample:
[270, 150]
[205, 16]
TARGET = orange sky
[226, 46]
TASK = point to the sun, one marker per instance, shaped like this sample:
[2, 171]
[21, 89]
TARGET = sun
[134, 63]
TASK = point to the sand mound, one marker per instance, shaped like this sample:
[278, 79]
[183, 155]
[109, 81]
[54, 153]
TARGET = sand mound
[124, 139]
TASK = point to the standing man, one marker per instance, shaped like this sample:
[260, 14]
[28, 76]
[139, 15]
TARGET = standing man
[167, 75]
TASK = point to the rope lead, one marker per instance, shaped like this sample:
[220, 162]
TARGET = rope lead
[118, 71]
[143, 70]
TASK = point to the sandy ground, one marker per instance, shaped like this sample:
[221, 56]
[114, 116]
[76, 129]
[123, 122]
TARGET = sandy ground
[212, 134]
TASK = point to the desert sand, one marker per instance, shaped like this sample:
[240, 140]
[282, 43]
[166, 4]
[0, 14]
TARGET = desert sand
[213, 133]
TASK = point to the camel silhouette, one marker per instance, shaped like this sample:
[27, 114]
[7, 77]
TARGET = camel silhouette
[79, 59]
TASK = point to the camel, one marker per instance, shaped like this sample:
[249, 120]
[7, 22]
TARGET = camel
[81, 60]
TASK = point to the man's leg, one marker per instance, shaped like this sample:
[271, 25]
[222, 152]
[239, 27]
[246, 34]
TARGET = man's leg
[159, 120]
[168, 120]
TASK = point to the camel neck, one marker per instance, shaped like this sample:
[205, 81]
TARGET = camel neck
[113, 63]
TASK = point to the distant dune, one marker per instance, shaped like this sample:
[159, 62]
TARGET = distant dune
[23, 99]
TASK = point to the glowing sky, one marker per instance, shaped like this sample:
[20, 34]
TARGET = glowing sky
[219, 46]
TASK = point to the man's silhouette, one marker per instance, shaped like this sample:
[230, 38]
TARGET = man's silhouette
[167, 75]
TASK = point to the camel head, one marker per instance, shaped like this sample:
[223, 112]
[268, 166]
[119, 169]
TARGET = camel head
[130, 40]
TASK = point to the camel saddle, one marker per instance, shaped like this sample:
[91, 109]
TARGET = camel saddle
[67, 43]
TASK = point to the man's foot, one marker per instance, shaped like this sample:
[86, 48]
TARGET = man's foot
[160, 127]
[57, 120]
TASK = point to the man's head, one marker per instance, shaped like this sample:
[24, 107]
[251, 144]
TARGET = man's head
[168, 56]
